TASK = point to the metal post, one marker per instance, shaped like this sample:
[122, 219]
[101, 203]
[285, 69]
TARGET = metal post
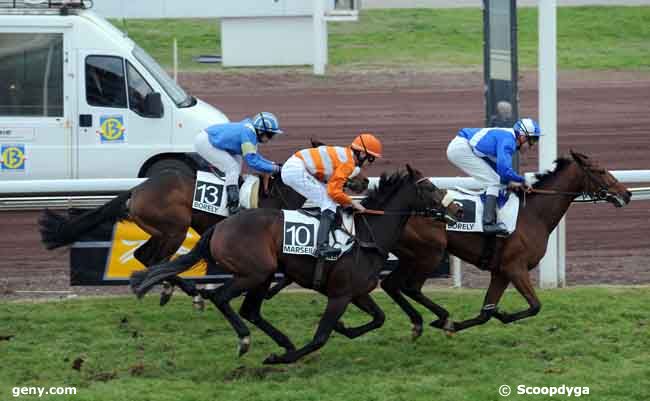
[456, 271]
[320, 37]
[561, 253]
[548, 267]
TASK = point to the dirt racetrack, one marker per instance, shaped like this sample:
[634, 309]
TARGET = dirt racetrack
[605, 115]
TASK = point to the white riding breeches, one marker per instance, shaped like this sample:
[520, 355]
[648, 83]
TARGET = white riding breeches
[295, 174]
[229, 164]
[461, 155]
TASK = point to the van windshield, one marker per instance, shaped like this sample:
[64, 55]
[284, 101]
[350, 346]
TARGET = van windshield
[174, 91]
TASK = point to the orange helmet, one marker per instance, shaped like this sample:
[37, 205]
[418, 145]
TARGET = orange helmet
[367, 142]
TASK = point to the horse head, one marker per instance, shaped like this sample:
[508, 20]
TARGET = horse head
[436, 198]
[601, 184]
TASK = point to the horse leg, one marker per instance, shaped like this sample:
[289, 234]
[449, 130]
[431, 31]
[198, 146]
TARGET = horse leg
[415, 293]
[146, 252]
[251, 311]
[335, 309]
[368, 305]
[522, 283]
[392, 285]
[169, 246]
[221, 298]
[498, 284]
[279, 286]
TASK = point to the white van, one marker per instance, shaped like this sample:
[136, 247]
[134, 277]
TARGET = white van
[79, 99]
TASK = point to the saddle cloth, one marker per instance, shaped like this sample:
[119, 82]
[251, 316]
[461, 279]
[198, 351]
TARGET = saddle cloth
[472, 220]
[300, 232]
[210, 193]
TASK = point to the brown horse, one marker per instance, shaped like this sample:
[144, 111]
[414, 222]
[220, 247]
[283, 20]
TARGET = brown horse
[249, 246]
[162, 207]
[421, 246]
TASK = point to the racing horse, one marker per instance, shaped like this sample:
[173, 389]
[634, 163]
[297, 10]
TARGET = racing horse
[421, 246]
[423, 242]
[250, 247]
[162, 207]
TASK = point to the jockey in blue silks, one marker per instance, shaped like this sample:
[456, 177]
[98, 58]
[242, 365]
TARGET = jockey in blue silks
[486, 154]
[224, 146]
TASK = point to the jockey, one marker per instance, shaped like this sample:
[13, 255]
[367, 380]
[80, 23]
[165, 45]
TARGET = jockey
[486, 154]
[319, 175]
[224, 145]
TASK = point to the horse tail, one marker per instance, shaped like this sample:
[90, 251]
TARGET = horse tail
[57, 230]
[143, 281]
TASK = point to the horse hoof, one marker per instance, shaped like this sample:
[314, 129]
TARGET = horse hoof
[449, 328]
[166, 294]
[416, 331]
[198, 304]
[244, 345]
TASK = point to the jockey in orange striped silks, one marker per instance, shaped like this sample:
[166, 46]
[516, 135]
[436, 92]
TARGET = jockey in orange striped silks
[319, 175]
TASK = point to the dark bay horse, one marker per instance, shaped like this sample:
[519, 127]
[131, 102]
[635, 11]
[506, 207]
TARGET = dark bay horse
[249, 246]
[421, 246]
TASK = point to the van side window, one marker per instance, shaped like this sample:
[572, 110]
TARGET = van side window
[31, 74]
[138, 89]
[105, 83]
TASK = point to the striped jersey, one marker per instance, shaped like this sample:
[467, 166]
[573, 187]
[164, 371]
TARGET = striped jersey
[332, 165]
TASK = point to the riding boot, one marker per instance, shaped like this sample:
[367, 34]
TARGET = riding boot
[323, 249]
[490, 225]
[232, 192]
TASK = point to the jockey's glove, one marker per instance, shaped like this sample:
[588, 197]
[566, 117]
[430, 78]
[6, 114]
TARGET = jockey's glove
[356, 205]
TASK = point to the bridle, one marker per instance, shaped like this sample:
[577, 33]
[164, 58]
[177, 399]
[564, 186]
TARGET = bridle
[589, 194]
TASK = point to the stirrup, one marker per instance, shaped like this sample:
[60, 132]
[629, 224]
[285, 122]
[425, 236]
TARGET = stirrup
[498, 229]
[327, 251]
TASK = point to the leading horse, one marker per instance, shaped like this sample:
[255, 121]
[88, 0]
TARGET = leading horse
[421, 246]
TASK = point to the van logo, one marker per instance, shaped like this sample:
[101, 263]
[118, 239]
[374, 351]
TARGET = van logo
[12, 157]
[112, 129]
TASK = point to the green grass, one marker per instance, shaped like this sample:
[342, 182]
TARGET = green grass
[594, 38]
[595, 337]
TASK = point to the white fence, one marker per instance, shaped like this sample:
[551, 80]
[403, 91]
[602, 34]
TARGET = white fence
[37, 194]
[111, 186]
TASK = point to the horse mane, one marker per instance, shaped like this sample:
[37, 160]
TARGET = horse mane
[388, 185]
[560, 164]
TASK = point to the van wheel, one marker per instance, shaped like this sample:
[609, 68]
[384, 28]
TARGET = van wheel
[169, 164]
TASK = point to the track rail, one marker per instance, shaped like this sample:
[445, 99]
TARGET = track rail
[65, 202]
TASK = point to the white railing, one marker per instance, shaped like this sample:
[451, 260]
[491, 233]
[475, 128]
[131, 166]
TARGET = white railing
[114, 185]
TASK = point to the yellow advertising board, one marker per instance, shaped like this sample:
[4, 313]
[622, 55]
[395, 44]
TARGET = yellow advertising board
[127, 237]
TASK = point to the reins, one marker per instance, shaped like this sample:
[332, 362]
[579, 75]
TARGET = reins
[587, 196]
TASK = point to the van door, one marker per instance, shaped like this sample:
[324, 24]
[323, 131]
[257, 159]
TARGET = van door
[116, 134]
[35, 125]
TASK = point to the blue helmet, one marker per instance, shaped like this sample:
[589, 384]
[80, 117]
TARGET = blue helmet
[527, 127]
[266, 122]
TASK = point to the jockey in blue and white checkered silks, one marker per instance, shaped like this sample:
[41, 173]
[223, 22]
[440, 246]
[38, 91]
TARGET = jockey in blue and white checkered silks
[486, 154]
[225, 145]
